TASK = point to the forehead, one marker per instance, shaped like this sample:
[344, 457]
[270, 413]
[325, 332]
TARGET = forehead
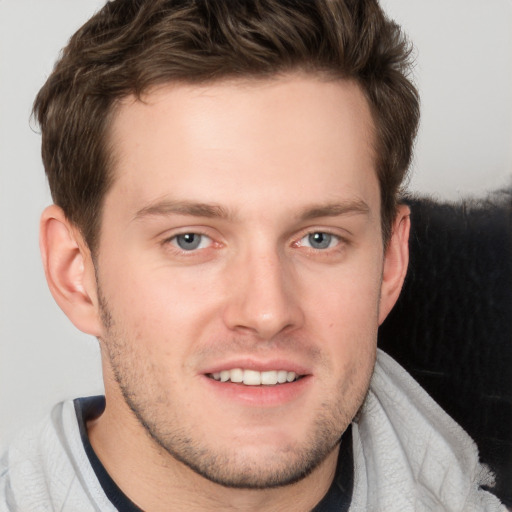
[244, 141]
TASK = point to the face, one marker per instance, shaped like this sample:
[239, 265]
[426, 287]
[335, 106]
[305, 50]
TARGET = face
[240, 271]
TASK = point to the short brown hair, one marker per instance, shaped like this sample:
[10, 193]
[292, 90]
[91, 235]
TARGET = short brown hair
[132, 45]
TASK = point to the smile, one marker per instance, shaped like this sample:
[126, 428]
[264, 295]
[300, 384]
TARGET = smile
[255, 378]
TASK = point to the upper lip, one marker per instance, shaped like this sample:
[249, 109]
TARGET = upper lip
[259, 366]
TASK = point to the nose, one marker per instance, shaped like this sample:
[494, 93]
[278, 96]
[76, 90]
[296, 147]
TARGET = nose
[263, 298]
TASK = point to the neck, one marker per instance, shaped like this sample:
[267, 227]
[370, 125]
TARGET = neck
[156, 481]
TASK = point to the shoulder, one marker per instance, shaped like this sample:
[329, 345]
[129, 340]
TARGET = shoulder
[410, 454]
[46, 468]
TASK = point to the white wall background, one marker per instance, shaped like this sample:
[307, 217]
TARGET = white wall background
[464, 73]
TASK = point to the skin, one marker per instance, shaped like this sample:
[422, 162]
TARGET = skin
[255, 168]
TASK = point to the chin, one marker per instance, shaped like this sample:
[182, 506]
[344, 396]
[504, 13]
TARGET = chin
[257, 468]
[265, 459]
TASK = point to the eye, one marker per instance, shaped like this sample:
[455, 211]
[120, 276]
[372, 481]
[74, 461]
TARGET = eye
[319, 240]
[191, 241]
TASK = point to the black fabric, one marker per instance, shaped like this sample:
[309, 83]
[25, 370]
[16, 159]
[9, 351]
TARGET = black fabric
[337, 498]
[452, 325]
[88, 409]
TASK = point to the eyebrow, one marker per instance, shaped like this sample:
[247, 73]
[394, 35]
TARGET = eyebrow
[195, 209]
[335, 209]
[170, 207]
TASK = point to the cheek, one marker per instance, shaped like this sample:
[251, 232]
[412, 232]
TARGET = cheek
[348, 298]
[344, 315]
[161, 308]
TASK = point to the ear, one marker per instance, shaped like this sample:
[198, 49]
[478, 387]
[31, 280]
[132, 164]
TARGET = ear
[69, 270]
[396, 260]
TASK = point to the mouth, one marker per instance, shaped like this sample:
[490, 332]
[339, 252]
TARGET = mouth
[255, 378]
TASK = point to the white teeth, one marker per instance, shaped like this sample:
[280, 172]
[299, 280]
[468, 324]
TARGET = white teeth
[254, 378]
[269, 378]
[290, 377]
[281, 376]
[237, 375]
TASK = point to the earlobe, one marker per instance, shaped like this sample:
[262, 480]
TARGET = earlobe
[69, 270]
[396, 260]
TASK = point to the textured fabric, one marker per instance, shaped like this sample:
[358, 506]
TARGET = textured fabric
[455, 311]
[46, 469]
[408, 456]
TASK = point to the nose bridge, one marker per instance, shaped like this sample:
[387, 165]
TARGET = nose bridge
[262, 299]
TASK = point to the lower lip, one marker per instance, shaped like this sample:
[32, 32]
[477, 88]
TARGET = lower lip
[264, 396]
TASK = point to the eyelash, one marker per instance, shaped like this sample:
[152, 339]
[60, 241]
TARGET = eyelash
[331, 237]
[172, 241]
[339, 242]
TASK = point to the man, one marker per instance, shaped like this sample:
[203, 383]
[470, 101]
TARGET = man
[226, 223]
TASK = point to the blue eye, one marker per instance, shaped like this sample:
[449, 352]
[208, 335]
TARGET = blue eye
[191, 241]
[319, 240]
